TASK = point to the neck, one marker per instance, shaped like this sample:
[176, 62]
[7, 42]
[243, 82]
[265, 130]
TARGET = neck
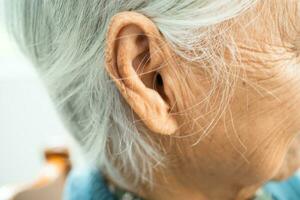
[170, 188]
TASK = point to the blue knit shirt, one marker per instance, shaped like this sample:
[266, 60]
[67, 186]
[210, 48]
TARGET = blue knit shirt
[87, 184]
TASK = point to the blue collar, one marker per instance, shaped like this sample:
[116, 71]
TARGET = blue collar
[87, 183]
[284, 190]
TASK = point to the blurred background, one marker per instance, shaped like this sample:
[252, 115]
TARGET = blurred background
[28, 120]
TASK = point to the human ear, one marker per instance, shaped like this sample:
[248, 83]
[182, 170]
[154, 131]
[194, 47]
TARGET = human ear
[135, 52]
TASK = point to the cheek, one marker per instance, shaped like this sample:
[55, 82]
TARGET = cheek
[261, 128]
[291, 161]
[249, 157]
[265, 159]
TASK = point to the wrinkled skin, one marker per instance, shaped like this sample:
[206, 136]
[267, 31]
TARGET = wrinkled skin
[252, 141]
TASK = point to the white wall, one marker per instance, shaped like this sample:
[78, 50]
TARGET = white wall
[28, 121]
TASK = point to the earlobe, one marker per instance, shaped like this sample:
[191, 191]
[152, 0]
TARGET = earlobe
[133, 59]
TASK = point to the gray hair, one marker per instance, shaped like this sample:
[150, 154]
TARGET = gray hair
[65, 39]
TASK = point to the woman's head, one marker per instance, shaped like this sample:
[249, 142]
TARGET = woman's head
[202, 95]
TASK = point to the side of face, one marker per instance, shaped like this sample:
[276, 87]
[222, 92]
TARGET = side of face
[249, 142]
[233, 137]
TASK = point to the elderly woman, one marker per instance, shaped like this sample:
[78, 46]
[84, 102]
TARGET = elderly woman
[171, 99]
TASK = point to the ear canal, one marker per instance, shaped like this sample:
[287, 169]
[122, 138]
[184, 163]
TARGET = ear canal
[159, 86]
[158, 80]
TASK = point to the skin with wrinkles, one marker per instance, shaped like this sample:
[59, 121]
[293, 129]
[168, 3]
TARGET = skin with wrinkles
[193, 99]
[252, 133]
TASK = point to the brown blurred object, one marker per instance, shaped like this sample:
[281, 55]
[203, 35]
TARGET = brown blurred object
[49, 185]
